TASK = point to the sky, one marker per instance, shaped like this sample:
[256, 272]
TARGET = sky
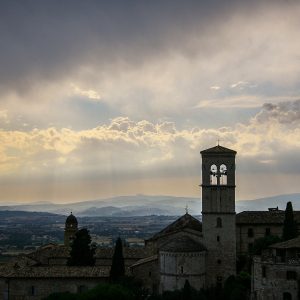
[106, 98]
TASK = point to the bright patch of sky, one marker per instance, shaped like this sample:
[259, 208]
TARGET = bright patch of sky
[120, 97]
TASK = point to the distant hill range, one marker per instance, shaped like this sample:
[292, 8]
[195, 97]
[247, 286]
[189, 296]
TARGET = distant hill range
[143, 205]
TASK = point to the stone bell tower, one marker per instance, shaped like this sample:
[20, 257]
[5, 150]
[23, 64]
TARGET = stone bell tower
[218, 213]
[71, 227]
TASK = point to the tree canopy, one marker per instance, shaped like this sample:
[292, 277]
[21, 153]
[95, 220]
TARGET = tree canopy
[82, 251]
[117, 270]
[289, 225]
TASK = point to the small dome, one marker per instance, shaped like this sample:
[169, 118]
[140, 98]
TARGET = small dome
[71, 220]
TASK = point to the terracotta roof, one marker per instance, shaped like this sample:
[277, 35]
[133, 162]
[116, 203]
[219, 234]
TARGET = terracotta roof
[183, 244]
[218, 149]
[293, 243]
[12, 271]
[43, 254]
[264, 217]
[185, 221]
[145, 260]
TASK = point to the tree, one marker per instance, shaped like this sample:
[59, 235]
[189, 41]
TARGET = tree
[117, 270]
[289, 224]
[263, 243]
[82, 252]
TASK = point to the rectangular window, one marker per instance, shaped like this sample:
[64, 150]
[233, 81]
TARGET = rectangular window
[268, 231]
[32, 291]
[264, 271]
[291, 275]
[250, 232]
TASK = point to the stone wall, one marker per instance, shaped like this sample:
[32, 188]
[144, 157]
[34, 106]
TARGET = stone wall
[36, 289]
[221, 248]
[270, 280]
[244, 241]
[176, 268]
[148, 273]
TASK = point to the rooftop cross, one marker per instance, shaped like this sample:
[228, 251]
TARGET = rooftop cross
[186, 209]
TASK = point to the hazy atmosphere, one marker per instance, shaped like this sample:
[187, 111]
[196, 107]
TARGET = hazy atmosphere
[107, 98]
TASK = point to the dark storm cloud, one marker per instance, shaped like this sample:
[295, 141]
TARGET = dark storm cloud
[283, 112]
[43, 40]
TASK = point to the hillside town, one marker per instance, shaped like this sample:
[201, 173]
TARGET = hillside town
[186, 254]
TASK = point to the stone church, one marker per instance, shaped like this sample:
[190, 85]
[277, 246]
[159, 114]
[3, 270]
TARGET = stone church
[204, 253]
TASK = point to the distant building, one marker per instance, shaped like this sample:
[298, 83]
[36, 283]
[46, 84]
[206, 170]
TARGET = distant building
[71, 227]
[276, 273]
[251, 225]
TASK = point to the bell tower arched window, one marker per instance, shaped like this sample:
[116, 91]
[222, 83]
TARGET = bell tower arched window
[213, 175]
[223, 174]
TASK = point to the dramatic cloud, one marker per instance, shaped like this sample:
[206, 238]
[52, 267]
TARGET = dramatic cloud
[120, 91]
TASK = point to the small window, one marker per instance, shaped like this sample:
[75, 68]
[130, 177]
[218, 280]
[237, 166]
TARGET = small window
[32, 291]
[181, 269]
[218, 238]
[291, 275]
[219, 222]
[268, 231]
[219, 261]
[264, 271]
[150, 274]
[250, 232]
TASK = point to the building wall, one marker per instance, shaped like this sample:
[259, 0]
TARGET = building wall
[36, 289]
[275, 283]
[176, 268]
[221, 246]
[148, 273]
[244, 241]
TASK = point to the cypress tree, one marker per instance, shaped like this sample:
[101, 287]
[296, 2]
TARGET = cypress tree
[289, 224]
[82, 252]
[117, 270]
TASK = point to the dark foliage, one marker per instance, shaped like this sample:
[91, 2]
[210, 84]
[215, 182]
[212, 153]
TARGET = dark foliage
[263, 243]
[237, 287]
[289, 225]
[117, 271]
[127, 291]
[82, 252]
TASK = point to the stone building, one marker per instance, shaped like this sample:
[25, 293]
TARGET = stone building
[276, 273]
[45, 271]
[251, 225]
[202, 253]
[176, 254]
[71, 227]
